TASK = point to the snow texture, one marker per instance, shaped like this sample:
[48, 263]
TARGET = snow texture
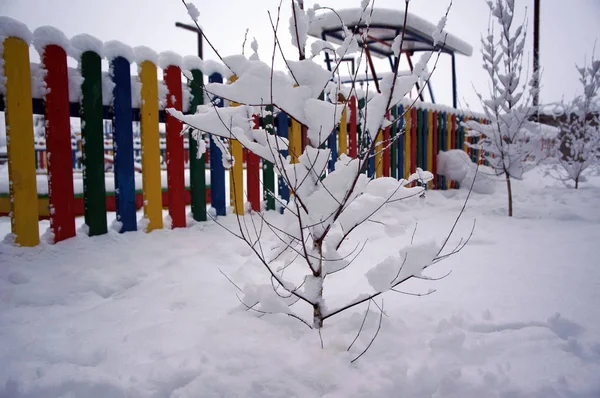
[143, 53]
[108, 87]
[168, 58]
[48, 35]
[113, 49]
[75, 82]
[12, 28]
[387, 17]
[496, 327]
[456, 165]
[193, 11]
[252, 87]
[298, 27]
[136, 92]
[82, 43]
[38, 80]
[406, 264]
[208, 67]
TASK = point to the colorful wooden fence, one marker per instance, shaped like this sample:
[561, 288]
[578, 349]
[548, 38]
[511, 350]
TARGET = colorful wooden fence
[418, 132]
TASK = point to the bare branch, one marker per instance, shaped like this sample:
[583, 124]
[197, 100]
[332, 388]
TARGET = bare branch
[374, 337]
[361, 326]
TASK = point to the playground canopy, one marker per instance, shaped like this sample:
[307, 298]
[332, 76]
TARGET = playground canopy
[384, 25]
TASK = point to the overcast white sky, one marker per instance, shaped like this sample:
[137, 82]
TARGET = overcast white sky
[569, 30]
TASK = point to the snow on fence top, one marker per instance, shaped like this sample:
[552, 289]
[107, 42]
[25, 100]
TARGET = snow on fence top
[12, 28]
[143, 53]
[383, 26]
[48, 35]
[441, 108]
[83, 43]
[114, 48]
[169, 58]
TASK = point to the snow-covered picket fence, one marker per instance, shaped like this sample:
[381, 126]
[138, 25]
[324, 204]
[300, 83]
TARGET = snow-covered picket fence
[106, 105]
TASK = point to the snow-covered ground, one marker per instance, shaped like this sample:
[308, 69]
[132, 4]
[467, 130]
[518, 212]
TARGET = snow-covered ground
[150, 315]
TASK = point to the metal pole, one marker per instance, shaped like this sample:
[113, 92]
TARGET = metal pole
[454, 88]
[536, 51]
[193, 28]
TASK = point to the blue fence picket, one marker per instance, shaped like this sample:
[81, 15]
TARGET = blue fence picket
[332, 145]
[217, 170]
[371, 161]
[123, 145]
[283, 124]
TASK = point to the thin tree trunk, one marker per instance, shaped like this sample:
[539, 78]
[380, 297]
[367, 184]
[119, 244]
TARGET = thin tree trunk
[317, 310]
[577, 182]
[510, 202]
[317, 316]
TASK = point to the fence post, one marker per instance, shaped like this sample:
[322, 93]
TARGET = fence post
[332, 144]
[282, 131]
[236, 172]
[120, 56]
[343, 131]
[419, 140]
[171, 66]
[372, 156]
[448, 142]
[394, 145]
[268, 170]
[197, 165]
[353, 125]
[429, 133]
[444, 142]
[440, 144]
[94, 189]
[58, 132]
[407, 142]
[454, 140]
[151, 173]
[253, 174]
[386, 148]
[400, 142]
[19, 137]
[217, 170]
[295, 147]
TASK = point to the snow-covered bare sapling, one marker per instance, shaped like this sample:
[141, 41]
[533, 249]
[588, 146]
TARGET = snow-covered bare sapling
[308, 244]
[510, 141]
[579, 137]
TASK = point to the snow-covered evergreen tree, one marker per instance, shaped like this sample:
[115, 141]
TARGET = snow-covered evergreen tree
[579, 140]
[510, 141]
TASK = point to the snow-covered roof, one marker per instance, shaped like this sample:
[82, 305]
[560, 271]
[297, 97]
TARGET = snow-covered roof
[383, 27]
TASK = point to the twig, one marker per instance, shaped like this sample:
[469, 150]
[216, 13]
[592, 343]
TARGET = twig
[374, 337]
[230, 281]
[361, 326]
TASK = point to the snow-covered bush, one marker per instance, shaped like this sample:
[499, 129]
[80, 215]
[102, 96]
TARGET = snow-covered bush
[309, 242]
[579, 139]
[456, 165]
[510, 141]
